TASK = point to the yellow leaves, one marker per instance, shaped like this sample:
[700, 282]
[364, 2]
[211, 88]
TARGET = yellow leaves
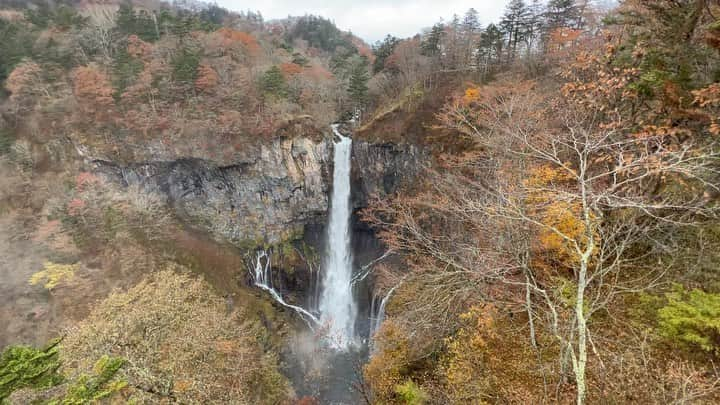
[563, 228]
[386, 367]
[546, 175]
[53, 274]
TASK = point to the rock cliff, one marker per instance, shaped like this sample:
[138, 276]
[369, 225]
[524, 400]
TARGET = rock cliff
[274, 191]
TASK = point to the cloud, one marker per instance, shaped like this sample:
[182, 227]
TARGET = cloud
[373, 19]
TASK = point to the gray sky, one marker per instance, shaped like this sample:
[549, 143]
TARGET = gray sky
[372, 19]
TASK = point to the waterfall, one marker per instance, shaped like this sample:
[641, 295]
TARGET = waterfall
[378, 319]
[263, 279]
[337, 306]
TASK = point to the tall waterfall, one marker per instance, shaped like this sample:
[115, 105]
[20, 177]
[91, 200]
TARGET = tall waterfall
[337, 305]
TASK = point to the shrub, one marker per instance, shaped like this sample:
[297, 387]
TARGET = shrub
[27, 367]
[409, 393]
[89, 389]
[692, 318]
[53, 274]
[179, 341]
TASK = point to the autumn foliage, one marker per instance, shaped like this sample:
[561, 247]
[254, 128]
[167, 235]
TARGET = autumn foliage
[93, 91]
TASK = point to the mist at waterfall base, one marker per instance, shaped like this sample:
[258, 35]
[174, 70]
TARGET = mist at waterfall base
[325, 359]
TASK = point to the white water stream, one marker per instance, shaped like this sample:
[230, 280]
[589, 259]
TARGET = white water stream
[338, 310]
[337, 307]
[263, 279]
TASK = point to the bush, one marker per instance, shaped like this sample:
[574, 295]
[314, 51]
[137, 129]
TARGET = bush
[89, 389]
[6, 141]
[409, 393]
[27, 367]
[692, 318]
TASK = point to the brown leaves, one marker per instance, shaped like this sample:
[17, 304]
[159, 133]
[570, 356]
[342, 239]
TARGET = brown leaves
[137, 48]
[207, 78]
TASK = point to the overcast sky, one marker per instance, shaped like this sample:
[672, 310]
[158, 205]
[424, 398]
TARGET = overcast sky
[373, 19]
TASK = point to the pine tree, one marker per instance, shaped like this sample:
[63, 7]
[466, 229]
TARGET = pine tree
[562, 14]
[490, 47]
[358, 87]
[515, 24]
[470, 27]
[272, 83]
[430, 45]
[382, 51]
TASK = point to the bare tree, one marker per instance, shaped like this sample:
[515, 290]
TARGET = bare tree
[590, 190]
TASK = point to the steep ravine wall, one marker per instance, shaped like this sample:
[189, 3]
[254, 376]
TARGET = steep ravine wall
[265, 199]
[273, 196]
[276, 195]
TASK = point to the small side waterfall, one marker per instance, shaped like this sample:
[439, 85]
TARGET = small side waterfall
[379, 316]
[263, 279]
[338, 310]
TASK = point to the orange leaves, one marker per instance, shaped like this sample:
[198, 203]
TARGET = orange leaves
[22, 77]
[708, 99]
[563, 228]
[85, 179]
[708, 96]
[93, 90]
[563, 37]
[471, 95]
[207, 78]
[318, 73]
[290, 69]
[232, 38]
[25, 84]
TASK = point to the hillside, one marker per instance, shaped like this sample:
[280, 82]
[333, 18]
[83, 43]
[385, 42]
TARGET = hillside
[204, 206]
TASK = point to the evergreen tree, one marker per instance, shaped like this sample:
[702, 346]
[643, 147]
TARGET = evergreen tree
[430, 45]
[515, 24]
[128, 22]
[382, 51]
[453, 47]
[490, 47]
[272, 83]
[470, 27]
[562, 13]
[358, 86]
[185, 66]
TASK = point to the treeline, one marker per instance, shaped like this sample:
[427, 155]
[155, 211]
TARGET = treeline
[527, 32]
[172, 72]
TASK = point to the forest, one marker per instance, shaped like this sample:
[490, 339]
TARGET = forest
[535, 205]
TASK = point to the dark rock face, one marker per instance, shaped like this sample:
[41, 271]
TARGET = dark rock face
[380, 169]
[275, 192]
[263, 200]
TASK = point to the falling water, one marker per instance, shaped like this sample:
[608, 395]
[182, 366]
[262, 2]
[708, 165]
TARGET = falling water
[379, 317]
[263, 279]
[337, 306]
